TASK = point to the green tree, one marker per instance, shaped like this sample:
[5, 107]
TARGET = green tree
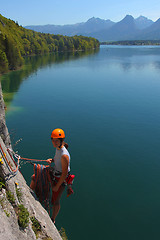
[16, 41]
[3, 62]
[61, 44]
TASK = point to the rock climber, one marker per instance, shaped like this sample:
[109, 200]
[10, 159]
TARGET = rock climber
[61, 169]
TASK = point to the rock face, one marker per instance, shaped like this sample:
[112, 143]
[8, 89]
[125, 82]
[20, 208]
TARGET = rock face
[14, 183]
[3, 128]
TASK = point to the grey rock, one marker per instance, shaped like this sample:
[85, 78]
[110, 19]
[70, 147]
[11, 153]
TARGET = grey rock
[10, 229]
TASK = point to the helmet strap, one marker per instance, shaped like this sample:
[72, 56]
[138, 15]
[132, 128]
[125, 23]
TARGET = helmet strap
[61, 141]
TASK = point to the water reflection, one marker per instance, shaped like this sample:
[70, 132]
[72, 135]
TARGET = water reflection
[123, 57]
[12, 81]
[128, 57]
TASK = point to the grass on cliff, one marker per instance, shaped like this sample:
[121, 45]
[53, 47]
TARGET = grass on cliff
[10, 197]
[2, 183]
[36, 226]
[63, 234]
[23, 216]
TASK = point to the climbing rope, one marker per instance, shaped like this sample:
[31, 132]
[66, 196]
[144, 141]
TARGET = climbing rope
[33, 160]
[3, 156]
[8, 164]
[26, 159]
[18, 157]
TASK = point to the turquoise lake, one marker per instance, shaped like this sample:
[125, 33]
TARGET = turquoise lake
[108, 103]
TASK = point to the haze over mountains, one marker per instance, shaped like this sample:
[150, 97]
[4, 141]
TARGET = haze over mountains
[128, 28]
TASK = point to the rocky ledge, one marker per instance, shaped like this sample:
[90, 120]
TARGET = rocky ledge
[21, 214]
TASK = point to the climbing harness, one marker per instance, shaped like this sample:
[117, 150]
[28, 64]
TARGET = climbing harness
[67, 182]
[44, 178]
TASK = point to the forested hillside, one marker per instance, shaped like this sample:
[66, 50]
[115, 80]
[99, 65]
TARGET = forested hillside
[17, 42]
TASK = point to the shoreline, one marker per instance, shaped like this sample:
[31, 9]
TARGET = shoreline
[132, 43]
[33, 55]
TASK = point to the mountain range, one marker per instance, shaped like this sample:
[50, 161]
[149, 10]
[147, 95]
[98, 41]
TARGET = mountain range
[128, 28]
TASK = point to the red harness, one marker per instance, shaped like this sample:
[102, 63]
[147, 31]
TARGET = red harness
[68, 181]
[43, 181]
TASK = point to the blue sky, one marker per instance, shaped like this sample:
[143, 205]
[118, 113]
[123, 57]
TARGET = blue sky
[40, 12]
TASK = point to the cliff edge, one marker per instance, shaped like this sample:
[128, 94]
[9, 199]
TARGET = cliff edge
[21, 215]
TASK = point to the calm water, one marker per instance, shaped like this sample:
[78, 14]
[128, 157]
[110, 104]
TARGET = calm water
[108, 103]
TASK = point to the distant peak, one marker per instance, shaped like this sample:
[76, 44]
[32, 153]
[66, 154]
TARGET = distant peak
[129, 17]
[141, 17]
[93, 19]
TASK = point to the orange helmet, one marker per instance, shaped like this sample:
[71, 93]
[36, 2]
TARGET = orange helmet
[57, 133]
